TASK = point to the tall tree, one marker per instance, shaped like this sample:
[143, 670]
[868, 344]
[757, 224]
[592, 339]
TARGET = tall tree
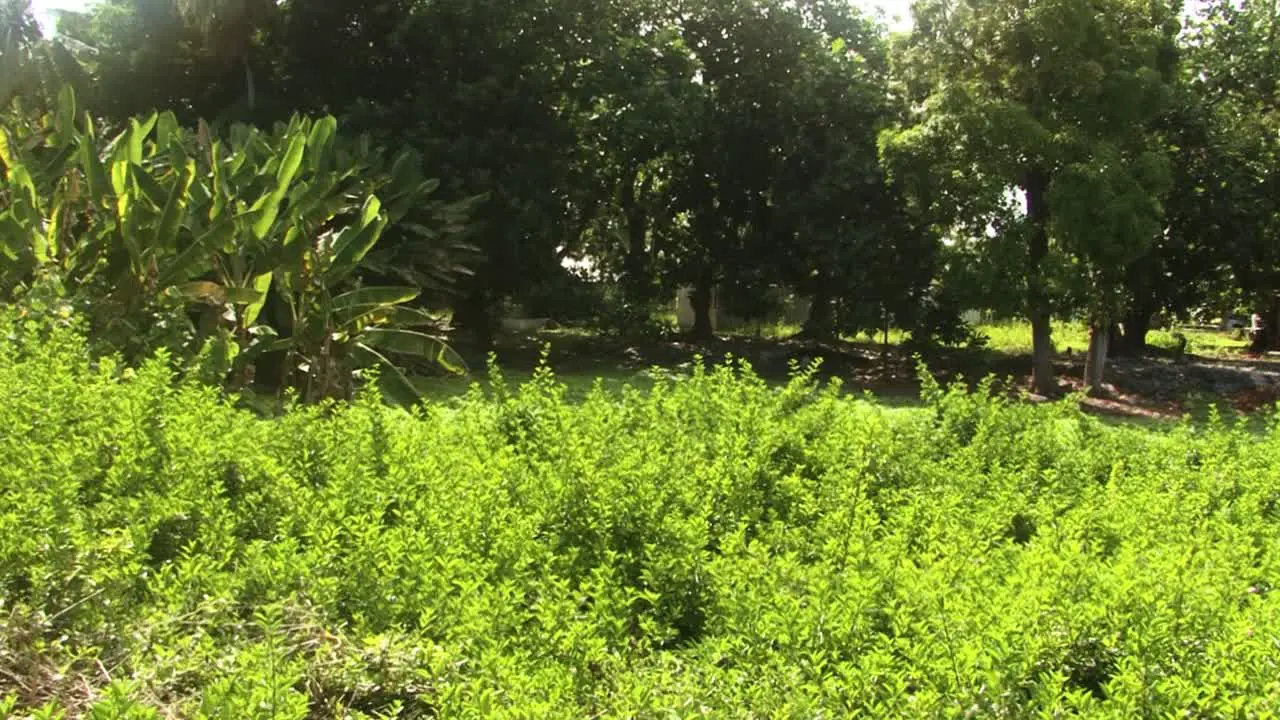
[229, 28]
[1049, 98]
[153, 54]
[1236, 53]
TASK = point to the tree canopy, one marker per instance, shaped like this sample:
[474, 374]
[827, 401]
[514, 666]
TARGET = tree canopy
[1104, 160]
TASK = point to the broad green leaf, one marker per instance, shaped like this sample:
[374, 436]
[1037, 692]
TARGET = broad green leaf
[292, 161]
[320, 141]
[351, 246]
[138, 133]
[167, 230]
[372, 206]
[128, 229]
[411, 342]
[189, 263]
[65, 121]
[367, 305]
[21, 178]
[218, 189]
[367, 296]
[8, 154]
[119, 176]
[268, 208]
[204, 291]
[13, 237]
[94, 172]
[150, 187]
[167, 129]
[261, 285]
[48, 247]
[395, 385]
[245, 296]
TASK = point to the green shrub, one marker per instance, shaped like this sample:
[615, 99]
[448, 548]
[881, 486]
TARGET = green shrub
[712, 546]
[222, 250]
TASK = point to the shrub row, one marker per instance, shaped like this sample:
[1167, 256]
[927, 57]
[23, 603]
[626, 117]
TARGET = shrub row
[713, 547]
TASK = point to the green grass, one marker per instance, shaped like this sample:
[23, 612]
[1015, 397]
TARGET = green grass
[1200, 342]
[1015, 338]
[709, 544]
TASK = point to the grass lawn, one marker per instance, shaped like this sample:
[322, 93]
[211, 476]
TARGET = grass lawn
[1014, 338]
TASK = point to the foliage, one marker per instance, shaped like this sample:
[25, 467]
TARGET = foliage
[33, 67]
[1055, 100]
[1229, 165]
[161, 219]
[710, 546]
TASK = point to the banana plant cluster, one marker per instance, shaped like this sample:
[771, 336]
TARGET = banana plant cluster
[160, 216]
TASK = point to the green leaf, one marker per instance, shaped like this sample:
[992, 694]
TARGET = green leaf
[261, 285]
[218, 188]
[138, 133]
[320, 141]
[212, 293]
[188, 263]
[411, 342]
[367, 296]
[119, 176]
[150, 187]
[94, 172]
[245, 296]
[270, 203]
[395, 385]
[8, 154]
[369, 305]
[167, 129]
[167, 230]
[65, 121]
[353, 242]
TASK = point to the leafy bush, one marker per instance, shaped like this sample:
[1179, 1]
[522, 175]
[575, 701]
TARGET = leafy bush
[168, 237]
[711, 547]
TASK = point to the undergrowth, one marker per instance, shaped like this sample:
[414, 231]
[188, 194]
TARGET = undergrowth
[711, 546]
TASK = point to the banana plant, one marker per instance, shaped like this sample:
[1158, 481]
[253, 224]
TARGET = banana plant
[114, 223]
[303, 208]
[161, 216]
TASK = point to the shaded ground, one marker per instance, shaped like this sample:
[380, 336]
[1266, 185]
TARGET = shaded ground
[1157, 387]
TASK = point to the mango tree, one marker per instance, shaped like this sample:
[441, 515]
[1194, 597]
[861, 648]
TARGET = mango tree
[1050, 99]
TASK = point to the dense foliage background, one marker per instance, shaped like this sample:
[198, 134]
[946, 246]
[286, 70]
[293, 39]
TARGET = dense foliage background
[712, 547]
[1112, 161]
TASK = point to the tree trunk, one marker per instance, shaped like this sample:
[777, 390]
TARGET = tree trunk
[1095, 361]
[701, 300]
[1137, 323]
[821, 321]
[250, 87]
[473, 317]
[1042, 377]
[1269, 337]
[636, 285]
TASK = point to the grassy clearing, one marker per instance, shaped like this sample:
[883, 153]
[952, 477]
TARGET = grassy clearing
[1015, 338]
[711, 544]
